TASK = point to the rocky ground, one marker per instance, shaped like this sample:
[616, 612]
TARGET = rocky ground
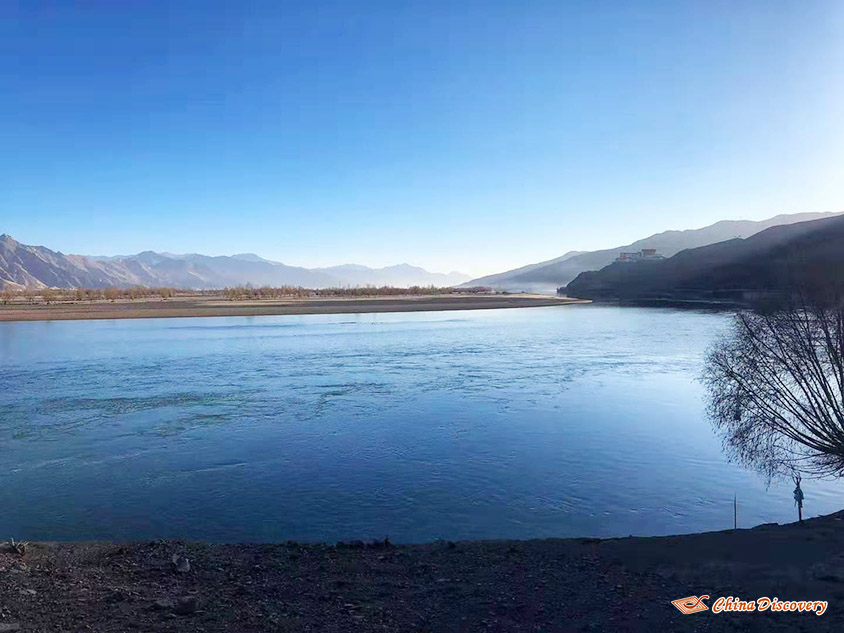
[551, 585]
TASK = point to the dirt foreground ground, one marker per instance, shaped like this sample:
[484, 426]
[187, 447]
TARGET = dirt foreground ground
[550, 585]
[203, 307]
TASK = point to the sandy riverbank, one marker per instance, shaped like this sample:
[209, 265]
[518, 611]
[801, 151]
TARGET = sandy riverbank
[215, 306]
[548, 585]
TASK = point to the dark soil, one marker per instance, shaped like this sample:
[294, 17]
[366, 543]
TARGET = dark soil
[551, 585]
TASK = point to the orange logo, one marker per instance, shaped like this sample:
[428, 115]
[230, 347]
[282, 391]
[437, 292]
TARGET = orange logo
[692, 604]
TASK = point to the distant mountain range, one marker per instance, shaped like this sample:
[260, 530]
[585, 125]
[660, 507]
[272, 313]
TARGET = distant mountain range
[546, 277]
[22, 265]
[806, 254]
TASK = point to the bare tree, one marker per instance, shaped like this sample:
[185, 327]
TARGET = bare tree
[49, 295]
[8, 294]
[776, 387]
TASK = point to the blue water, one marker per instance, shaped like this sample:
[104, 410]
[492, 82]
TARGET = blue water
[561, 421]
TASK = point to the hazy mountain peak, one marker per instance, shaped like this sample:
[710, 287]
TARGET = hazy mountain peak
[404, 266]
[250, 257]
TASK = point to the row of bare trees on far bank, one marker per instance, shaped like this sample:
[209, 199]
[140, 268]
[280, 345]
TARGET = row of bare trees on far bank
[240, 293]
[33, 295]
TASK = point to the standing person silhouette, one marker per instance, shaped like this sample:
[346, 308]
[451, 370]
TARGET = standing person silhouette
[798, 497]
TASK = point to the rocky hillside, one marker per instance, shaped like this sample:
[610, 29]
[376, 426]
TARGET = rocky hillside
[549, 275]
[805, 254]
[22, 265]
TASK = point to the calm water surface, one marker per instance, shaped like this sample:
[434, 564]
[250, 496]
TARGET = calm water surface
[561, 421]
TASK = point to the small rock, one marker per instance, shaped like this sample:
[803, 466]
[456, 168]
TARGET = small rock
[163, 604]
[827, 572]
[28, 592]
[181, 563]
[10, 626]
[830, 578]
[187, 605]
[116, 596]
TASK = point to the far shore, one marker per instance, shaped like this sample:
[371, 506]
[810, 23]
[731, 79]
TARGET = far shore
[219, 306]
[667, 302]
[621, 584]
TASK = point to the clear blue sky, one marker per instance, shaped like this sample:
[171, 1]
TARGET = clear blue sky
[453, 134]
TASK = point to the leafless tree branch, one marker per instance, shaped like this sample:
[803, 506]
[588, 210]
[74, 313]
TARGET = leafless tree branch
[776, 386]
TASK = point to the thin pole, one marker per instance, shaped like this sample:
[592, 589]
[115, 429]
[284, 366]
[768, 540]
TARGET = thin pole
[735, 513]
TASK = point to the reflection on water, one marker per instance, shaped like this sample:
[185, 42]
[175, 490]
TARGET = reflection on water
[562, 421]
